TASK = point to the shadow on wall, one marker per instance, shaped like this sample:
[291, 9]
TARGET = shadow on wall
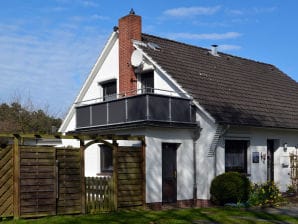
[185, 171]
[153, 172]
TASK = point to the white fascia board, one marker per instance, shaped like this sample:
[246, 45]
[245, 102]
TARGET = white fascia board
[197, 104]
[106, 50]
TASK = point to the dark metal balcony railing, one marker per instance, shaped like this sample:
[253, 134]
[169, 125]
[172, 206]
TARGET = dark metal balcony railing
[138, 108]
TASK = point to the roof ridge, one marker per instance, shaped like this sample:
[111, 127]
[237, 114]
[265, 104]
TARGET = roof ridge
[203, 48]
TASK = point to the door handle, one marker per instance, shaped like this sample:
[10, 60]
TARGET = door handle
[175, 173]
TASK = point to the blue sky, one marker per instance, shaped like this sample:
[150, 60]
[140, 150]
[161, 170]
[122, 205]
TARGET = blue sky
[47, 48]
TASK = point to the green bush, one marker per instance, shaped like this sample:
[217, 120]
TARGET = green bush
[266, 194]
[230, 187]
[292, 190]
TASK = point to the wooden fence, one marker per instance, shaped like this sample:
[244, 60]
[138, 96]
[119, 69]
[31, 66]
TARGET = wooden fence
[126, 188]
[99, 194]
[44, 180]
[37, 181]
[131, 176]
[70, 175]
[40, 181]
[6, 182]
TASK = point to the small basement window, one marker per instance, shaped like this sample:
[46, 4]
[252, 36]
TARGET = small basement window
[236, 155]
[109, 90]
[106, 159]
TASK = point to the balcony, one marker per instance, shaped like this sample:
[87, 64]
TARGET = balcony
[138, 109]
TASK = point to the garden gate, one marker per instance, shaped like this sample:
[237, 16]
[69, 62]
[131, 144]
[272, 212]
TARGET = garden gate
[130, 177]
[40, 180]
[126, 186]
[46, 180]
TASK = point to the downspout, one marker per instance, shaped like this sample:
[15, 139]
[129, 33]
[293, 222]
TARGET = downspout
[215, 161]
[196, 136]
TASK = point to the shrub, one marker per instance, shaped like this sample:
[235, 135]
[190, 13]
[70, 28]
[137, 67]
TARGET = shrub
[230, 187]
[291, 191]
[266, 194]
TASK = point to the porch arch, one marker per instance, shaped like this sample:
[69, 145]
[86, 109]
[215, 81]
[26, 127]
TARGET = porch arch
[128, 177]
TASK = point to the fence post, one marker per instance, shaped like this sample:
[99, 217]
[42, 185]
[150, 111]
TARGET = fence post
[16, 178]
[115, 173]
[83, 182]
[143, 154]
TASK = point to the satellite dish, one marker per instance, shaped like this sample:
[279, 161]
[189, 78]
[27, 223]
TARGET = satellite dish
[136, 58]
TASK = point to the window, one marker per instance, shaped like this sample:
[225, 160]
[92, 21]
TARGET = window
[147, 82]
[106, 159]
[236, 155]
[109, 90]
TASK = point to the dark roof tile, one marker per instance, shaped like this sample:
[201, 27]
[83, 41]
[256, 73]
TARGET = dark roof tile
[232, 89]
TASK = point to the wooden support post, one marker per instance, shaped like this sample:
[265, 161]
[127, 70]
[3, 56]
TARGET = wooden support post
[83, 182]
[115, 173]
[144, 172]
[16, 178]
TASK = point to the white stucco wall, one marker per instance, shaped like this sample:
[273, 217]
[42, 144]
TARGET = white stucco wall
[108, 70]
[92, 160]
[205, 164]
[258, 143]
[154, 139]
[162, 84]
[71, 125]
[70, 143]
[92, 157]
[207, 167]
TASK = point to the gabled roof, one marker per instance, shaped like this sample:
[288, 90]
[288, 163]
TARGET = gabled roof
[233, 90]
[71, 112]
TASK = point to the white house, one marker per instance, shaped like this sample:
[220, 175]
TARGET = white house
[202, 113]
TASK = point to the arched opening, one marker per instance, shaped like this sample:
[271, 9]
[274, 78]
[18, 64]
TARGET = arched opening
[114, 173]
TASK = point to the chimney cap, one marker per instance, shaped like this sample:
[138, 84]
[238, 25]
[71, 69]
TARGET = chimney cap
[132, 12]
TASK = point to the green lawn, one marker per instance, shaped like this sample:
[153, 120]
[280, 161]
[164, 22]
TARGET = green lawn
[213, 215]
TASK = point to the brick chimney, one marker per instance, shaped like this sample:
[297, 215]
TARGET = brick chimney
[130, 28]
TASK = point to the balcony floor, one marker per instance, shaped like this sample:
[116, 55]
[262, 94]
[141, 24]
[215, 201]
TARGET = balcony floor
[135, 125]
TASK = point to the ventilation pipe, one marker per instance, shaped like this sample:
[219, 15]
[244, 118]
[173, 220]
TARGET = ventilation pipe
[214, 49]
